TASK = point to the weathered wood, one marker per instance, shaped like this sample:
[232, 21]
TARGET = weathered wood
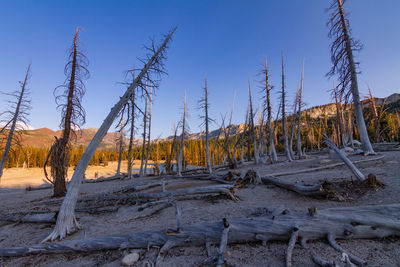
[330, 166]
[302, 189]
[340, 223]
[345, 159]
[223, 243]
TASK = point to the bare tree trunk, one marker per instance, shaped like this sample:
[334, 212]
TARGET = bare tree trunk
[209, 166]
[362, 129]
[132, 130]
[121, 142]
[66, 221]
[142, 159]
[285, 137]
[293, 125]
[148, 136]
[253, 130]
[182, 138]
[339, 116]
[14, 123]
[299, 150]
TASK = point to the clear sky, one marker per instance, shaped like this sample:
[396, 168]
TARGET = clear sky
[228, 40]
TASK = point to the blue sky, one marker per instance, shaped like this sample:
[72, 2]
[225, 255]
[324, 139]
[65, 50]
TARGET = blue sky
[228, 40]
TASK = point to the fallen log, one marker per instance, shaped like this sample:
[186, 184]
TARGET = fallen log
[302, 189]
[360, 176]
[362, 222]
[330, 166]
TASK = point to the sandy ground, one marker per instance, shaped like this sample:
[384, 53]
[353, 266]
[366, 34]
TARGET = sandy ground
[378, 252]
[20, 178]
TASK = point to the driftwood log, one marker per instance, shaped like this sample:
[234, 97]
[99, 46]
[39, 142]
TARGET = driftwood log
[316, 190]
[336, 223]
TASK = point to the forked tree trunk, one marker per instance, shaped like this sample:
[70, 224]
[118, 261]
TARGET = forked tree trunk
[362, 129]
[14, 123]
[285, 137]
[66, 221]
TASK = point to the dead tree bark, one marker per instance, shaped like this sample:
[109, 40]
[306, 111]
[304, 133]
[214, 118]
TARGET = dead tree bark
[346, 160]
[132, 130]
[120, 143]
[205, 105]
[335, 223]
[66, 221]
[293, 124]
[182, 138]
[142, 159]
[377, 113]
[299, 150]
[340, 117]
[22, 106]
[285, 137]
[253, 130]
[149, 134]
[343, 64]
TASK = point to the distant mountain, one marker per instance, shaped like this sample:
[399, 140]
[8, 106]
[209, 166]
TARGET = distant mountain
[44, 137]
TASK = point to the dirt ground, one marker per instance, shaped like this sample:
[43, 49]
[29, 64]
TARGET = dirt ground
[378, 252]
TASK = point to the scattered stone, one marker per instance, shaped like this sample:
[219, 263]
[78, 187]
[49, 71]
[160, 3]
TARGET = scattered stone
[130, 259]
[348, 149]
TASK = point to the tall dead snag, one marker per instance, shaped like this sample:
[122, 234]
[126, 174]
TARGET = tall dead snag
[360, 222]
[285, 137]
[252, 127]
[142, 158]
[204, 104]
[377, 114]
[180, 165]
[66, 221]
[267, 105]
[293, 123]
[340, 117]
[120, 142]
[299, 151]
[17, 115]
[344, 66]
[132, 130]
[149, 134]
[69, 100]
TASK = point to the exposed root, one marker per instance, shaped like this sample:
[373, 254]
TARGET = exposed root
[164, 249]
[321, 262]
[223, 243]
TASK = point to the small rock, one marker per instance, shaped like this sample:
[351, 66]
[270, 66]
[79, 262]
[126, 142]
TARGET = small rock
[130, 259]
[348, 149]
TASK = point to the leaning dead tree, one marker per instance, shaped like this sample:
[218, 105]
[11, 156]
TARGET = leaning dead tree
[204, 104]
[359, 222]
[66, 221]
[181, 150]
[345, 67]
[267, 105]
[17, 116]
[285, 137]
[69, 100]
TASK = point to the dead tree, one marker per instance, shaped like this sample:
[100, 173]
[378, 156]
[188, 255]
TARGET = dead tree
[17, 114]
[132, 129]
[344, 66]
[120, 141]
[170, 158]
[179, 165]
[204, 104]
[142, 158]
[149, 134]
[340, 117]
[267, 106]
[377, 114]
[252, 127]
[299, 151]
[66, 221]
[69, 100]
[285, 137]
[293, 123]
